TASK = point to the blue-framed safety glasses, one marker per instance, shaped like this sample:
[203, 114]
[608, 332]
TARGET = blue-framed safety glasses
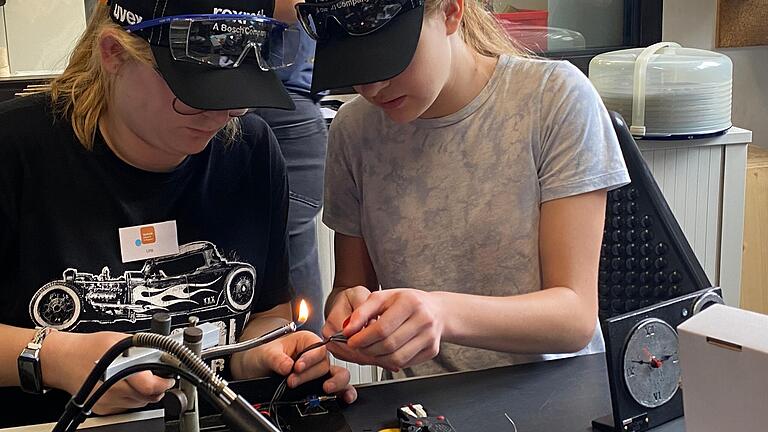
[224, 40]
[355, 17]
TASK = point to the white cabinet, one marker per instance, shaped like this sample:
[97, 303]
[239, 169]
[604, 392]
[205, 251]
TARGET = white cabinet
[703, 181]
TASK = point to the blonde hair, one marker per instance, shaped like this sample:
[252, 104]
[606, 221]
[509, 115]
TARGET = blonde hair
[479, 29]
[81, 93]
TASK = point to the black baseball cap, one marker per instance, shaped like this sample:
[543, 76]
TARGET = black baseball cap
[343, 60]
[204, 86]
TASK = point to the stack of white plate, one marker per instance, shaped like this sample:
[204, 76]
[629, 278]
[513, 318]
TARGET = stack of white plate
[687, 91]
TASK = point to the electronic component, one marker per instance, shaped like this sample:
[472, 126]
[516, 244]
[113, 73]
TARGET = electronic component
[415, 418]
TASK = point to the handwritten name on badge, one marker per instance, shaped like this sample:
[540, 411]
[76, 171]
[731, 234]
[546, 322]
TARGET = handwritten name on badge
[142, 242]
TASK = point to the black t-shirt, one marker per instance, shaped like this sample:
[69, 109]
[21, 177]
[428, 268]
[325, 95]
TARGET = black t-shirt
[61, 206]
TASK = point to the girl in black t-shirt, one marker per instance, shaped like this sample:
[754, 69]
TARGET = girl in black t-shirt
[137, 132]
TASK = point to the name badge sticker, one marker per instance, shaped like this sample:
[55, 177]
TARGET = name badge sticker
[148, 241]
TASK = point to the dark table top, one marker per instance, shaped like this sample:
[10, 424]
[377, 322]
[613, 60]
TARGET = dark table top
[553, 396]
[561, 395]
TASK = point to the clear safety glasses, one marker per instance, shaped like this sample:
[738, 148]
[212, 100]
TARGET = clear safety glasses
[225, 40]
[356, 17]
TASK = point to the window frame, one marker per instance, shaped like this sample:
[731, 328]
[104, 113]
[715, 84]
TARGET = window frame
[642, 27]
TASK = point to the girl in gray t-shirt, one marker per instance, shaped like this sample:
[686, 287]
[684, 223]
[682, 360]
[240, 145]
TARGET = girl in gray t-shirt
[471, 188]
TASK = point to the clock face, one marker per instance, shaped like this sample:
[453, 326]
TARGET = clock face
[651, 363]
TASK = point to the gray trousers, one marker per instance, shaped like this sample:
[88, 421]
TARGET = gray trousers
[303, 138]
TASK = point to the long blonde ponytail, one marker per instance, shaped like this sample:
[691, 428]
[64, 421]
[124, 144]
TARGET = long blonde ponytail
[480, 30]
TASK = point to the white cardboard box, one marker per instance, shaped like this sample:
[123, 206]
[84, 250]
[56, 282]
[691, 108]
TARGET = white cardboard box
[724, 361]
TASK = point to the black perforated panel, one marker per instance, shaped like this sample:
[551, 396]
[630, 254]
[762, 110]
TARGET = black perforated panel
[645, 257]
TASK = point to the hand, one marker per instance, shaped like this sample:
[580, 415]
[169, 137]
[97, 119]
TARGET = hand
[394, 328]
[344, 304]
[277, 356]
[68, 358]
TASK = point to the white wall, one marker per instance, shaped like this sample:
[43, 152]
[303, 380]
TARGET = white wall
[3, 48]
[693, 23]
[41, 34]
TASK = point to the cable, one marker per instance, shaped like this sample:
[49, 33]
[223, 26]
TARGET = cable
[196, 366]
[282, 387]
[76, 402]
[190, 360]
[154, 367]
[236, 411]
[279, 391]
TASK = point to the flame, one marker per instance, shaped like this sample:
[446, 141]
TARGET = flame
[303, 312]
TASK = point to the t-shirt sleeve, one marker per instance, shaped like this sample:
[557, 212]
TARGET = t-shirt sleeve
[276, 288]
[341, 210]
[579, 150]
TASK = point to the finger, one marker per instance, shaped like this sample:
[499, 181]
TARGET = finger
[427, 353]
[114, 400]
[349, 394]
[310, 358]
[363, 313]
[313, 372]
[276, 360]
[405, 356]
[329, 328]
[300, 341]
[358, 295]
[392, 314]
[335, 320]
[145, 384]
[339, 384]
[343, 308]
[121, 397]
[338, 381]
[343, 352]
[396, 340]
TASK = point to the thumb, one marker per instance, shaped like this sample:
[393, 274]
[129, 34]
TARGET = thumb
[278, 361]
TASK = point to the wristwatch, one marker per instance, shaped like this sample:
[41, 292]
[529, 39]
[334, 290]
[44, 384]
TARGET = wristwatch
[30, 372]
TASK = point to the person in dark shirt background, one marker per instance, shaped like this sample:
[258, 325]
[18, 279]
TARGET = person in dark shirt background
[303, 137]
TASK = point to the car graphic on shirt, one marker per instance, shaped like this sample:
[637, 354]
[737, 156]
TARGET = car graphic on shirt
[195, 280]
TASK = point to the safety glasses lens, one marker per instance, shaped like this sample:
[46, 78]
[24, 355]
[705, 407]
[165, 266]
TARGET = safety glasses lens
[355, 18]
[226, 43]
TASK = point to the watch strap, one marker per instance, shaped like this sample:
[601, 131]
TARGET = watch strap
[30, 370]
[37, 341]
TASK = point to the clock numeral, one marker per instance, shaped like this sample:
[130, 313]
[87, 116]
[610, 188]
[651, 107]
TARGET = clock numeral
[650, 330]
[657, 395]
[630, 371]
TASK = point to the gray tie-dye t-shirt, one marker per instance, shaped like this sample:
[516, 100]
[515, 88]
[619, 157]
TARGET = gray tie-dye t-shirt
[452, 203]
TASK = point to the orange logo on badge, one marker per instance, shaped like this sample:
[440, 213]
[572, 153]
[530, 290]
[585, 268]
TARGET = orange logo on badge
[147, 235]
